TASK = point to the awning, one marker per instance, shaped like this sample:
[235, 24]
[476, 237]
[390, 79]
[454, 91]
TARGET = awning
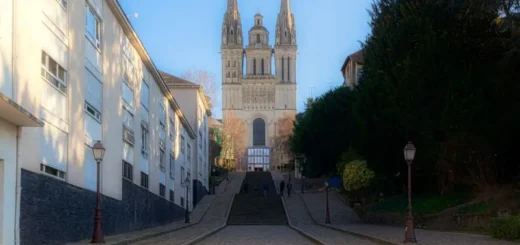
[13, 113]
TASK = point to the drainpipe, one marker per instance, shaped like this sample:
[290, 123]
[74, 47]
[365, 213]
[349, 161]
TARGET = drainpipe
[18, 188]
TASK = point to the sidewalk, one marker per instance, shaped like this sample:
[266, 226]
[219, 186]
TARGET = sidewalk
[342, 220]
[206, 206]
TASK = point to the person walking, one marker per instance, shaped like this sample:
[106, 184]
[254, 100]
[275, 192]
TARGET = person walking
[265, 189]
[282, 187]
[289, 187]
[246, 187]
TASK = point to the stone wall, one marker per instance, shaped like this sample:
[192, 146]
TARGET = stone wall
[199, 191]
[54, 212]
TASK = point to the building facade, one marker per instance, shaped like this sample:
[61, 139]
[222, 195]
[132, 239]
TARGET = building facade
[193, 103]
[79, 67]
[352, 69]
[252, 90]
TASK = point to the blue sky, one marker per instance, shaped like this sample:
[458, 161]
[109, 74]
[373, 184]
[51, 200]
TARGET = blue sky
[186, 34]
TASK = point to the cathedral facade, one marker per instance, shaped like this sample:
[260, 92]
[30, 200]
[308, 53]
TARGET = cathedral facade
[252, 90]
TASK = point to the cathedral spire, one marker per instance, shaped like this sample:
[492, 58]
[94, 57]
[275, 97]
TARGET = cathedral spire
[285, 26]
[232, 5]
[232, 26]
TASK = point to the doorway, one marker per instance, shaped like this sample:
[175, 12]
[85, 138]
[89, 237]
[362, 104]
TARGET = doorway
[259, 169]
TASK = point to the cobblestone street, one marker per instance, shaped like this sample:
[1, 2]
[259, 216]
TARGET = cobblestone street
[256, 235]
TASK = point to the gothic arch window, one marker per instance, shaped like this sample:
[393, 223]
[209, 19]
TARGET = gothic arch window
[235, 63]
[227, 74]
[254, 66]
[262, 66]
[258, 22]
[234, 74]
[257, 38]
[232, 33]
[289, 68]
[259, 132]
[285, 33]
[228, 63]
[283, 68]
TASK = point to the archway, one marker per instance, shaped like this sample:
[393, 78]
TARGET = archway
[259, 132]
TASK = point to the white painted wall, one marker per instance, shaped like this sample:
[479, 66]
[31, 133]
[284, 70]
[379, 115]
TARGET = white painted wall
[6, 38]
[7, 181]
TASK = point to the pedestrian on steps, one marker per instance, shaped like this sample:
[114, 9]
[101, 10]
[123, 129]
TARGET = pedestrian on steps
[282, 187]
[246, 187]
[265, 190]
[289, 187]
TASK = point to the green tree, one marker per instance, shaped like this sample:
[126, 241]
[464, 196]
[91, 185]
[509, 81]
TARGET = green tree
[357, 176]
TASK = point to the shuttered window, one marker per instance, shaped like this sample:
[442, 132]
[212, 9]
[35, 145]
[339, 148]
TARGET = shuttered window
[93, 90]
[54, 146]
[128, 96]
[128, 120]
[128, 153]
[144, 95]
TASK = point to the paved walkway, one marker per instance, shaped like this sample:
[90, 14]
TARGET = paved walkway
[256, 235]
[344, 218]
[215, 217]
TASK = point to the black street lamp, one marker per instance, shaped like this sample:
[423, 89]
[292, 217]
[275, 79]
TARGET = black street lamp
[327, 213]
[97, 236]
[409, 154]
[187, 214]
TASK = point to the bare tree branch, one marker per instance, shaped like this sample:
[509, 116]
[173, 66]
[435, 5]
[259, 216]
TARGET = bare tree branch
[206, 80]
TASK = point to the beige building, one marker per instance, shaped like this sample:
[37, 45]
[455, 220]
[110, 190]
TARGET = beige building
[195, 107]
[260, 95]
[79, 67]
[352, 68]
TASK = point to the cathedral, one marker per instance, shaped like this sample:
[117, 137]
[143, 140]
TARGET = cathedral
[252, 90]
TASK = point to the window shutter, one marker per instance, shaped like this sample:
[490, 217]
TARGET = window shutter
[94, 91]
[55, 102]
[92, 130]
[128, 153]
[128, 95]
[144, 94]
[128, 120]
[54, 147]
[89, 167]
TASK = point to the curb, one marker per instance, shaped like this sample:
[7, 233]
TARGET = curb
[366, 237]
[212, 232]
[303, 233]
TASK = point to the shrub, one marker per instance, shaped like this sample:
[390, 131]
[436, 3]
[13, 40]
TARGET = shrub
[507, 228]
[357, 175]
[347, 157]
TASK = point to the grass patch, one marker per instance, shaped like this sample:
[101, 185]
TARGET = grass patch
[474, 208]
[423, 204]
[507, 228]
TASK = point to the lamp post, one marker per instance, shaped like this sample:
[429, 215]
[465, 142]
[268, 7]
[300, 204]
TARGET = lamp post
[409, 154]
[187, 214]
[302, 160]
[97, 236]
[327, 213]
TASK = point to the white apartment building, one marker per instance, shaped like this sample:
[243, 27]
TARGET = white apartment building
[81, 70]
[193, 103]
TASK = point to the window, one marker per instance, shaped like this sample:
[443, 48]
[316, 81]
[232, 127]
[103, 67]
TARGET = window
[285, 33]
[262, 66]
[162, 119]
[172, 128]
[288, 68]
[283, 69]
[182, 143]
[258, 22]
[235, 63]
[182, 175]
[228, 63]
[144, 140]
[128, 170]
[93, 27]
[162, 164]
[234, 74]
[52, 171]
[232, 32]
[53, 73]
[258, 37]
[200, 140]
[189, 153]
[254, 66]
[144, 180]
[162, 190]
[89, 109]
[144, 95]
[63, 3]
[172, 165]
[228, 74]
[128, 96]
[171, 196]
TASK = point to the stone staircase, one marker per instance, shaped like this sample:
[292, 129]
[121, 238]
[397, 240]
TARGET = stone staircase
[253, 208]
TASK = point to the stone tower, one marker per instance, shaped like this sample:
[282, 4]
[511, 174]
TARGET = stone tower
[264, 94]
